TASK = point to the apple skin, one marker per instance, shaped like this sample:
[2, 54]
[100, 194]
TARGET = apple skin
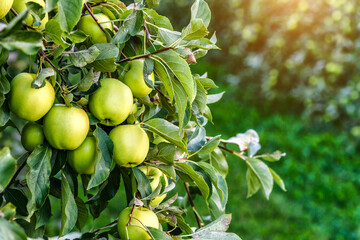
[154, 175]
[20, 5]
[88, 25]
[29, 103]
[66, 128]
[5, 7]
[136, 231]
[131, 145]
[82, 159]
[112, 102]
[134, 78]
[32, 135]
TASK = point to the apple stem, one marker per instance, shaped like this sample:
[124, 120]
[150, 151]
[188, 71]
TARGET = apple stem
[192, 205]
[130, 215]
[93, 16]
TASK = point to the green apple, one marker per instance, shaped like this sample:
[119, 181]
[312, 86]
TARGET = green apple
[112, 102]
[134, 78]
[29, 103]
[32, 135]
[154, 175]
[82, 159]
[141, 217]
[20, 5]
[5, 6]
[66, 128]
[131, 145]
[88, 25]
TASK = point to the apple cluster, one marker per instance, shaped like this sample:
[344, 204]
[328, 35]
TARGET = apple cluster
[67, 127]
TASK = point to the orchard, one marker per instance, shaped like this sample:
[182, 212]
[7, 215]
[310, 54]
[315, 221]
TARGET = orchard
[108, 101]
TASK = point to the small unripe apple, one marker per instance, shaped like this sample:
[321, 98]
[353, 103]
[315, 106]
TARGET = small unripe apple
[5, 6]
[112, 102]
[131, 145]
[154, 176]
[88, 25]
[32, 135]
[82, 159]
[141, 217]
[66, 128]
[29, 103]
[134, 78]
[20, 5]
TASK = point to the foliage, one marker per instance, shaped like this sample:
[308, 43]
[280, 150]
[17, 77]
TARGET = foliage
[176, 111]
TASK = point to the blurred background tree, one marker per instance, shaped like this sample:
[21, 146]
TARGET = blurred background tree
[291, 70]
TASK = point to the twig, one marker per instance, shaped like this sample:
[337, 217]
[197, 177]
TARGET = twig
[14, 177]
[48, 60]
[130, 215]
[192, 205]
[145, 55]
[93, 16]
[108, 225]
[25, 24]
[231, 151]
[161, 93]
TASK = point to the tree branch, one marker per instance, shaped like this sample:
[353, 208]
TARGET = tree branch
[145, 55]
[93, 16]
[192, 205]
[130, 215]
[243, 157]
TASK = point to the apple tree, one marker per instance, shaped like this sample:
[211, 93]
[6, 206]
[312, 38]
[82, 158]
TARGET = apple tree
[108, 100]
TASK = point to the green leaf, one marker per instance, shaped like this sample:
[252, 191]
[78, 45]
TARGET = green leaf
[83, 213]
[11, 230]
[44, 214]
[89, 79]
[200, 9]
[4, 82]
[103, 158]
[8, 211]
[202, 43]
[166, 153]
[201, 98]
[36, 11]
[26, 41]
[181, 101]
[39, 81]
[164, 76]
[258, 174]
[130, 27]
[273, 157]
[4, 115]
[82, 58]
[7, 168]
[197, 178]
[143, 183]
[166, 130]
[213, 98]
[167, 36]
[160, 21]
[69, 13]
[179, 67]
[167, 169]
[219, 225]
[50, 5]
[210, 145]
[53, 29]
[105, 61]
[195, 30]
[217, 235]
[218, 161]
[159, 235]
[197, 140]
[38, 177]
[18, 198]
[69, 211]
[278, 180]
